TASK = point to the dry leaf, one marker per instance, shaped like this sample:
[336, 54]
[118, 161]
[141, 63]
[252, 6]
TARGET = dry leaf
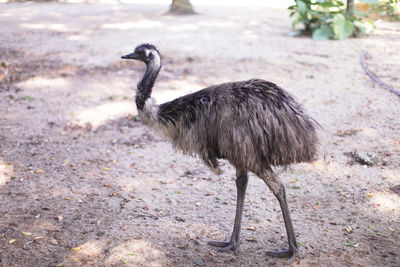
[106, 169]
[349, 230]
[183, 246]
[76, 248]
[11, 241]
[26, 233]
[38, 171]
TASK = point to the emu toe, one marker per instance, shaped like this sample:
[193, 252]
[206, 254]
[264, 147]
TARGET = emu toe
[286, 253]
[225, 245]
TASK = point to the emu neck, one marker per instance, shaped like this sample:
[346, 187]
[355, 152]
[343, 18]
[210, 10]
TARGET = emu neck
[146, 84]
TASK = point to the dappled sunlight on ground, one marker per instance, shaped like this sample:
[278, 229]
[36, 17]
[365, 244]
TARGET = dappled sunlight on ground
[139, 24]
[44, 83]
[89, 250]
[176, 88]
[49, 225]
[98, 115]
[386, 201]
[48, 26]
[137, 252]
[6, 171]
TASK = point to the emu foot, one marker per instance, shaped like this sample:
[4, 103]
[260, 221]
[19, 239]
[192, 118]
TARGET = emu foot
[225, 245]
[286, 253]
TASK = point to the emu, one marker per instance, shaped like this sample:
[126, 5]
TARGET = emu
[253, 124]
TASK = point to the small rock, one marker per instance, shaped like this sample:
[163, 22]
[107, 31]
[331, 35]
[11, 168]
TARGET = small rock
[395, 189]
[179, 219]
[368, 158]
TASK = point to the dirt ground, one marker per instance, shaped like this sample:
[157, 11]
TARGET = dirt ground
[84, 183]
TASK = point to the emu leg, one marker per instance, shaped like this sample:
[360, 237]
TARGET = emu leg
[233, 243]
[279, 191]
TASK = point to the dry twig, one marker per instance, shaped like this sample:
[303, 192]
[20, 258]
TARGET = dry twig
[373, 77]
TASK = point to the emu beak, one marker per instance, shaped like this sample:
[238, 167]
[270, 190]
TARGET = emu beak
[130, 56]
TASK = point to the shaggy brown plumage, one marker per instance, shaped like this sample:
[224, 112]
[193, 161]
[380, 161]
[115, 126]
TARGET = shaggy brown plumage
[253, 124]
[242, 122]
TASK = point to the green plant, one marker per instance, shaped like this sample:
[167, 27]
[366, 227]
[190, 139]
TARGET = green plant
[326, 19]
[389, 8]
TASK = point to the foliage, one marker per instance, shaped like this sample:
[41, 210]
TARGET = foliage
[326, 19]
[389, 8]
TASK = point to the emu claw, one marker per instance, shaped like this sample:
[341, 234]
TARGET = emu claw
[289, 252]
[225, 245]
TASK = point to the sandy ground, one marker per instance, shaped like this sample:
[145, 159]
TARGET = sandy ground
[83, 183]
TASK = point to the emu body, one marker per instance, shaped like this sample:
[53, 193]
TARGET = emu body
[253, 124]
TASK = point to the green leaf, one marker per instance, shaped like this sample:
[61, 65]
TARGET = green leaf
[100, 234]
[323, 33]
[372, 2]
[295, 22]
[26, 98]
[301, 7]
[341, 27]
[352, 244]
[365, 26]
[124, 260]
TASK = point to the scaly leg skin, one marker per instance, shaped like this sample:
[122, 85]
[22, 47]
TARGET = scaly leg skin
[279, 191]
[233, 244]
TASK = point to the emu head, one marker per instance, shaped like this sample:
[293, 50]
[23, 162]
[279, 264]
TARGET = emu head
[146, 53]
